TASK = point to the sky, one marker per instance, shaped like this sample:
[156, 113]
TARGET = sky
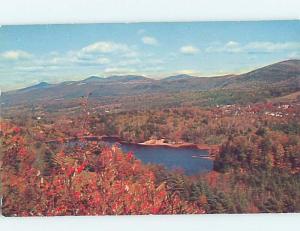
[30, 54]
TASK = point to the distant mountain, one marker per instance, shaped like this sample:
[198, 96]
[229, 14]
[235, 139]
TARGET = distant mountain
[178, 77]
[41, 85]
[282, 74]
[37, 86]
[285, 73]
[127, 78]
[116, 78]
[92, 79]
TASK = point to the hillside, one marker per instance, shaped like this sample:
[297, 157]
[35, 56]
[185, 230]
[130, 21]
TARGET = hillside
[284, 74]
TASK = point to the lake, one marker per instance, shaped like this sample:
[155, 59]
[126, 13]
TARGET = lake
[185, 158]
[188, 159]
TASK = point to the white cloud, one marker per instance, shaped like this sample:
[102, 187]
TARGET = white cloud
[15, 55]
[116, 71]
[189, 50]
[232, 46]
[229, 47]
[149, 40]
[96, 50]
[105, 47]
[272, 47]
[255, 47]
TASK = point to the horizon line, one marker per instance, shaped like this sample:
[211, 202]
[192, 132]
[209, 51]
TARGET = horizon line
[145, 76]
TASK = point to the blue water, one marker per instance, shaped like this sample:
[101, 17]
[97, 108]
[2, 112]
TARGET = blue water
[187, 159]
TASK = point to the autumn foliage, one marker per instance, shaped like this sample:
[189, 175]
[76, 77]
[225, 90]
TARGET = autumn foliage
[256, 169]
[101, 182]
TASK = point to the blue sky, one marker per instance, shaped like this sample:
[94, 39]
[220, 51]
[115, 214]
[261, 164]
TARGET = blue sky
[56, 53]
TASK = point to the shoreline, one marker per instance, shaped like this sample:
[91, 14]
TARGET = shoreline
[211, 149]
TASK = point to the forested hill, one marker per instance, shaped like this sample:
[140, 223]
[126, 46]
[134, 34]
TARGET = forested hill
[285, 74]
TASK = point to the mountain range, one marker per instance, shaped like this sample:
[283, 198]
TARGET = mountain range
[282, 74]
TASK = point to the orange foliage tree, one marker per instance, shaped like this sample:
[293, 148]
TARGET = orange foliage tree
[97, 182]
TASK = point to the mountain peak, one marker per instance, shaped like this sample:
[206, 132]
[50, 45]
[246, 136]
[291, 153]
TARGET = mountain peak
[37, 86]
[92, 78]
[42, 84]
[178, 77]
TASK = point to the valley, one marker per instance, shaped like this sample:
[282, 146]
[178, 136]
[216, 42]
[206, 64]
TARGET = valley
[182, 144]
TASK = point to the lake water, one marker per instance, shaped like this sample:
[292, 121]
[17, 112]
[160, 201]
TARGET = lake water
[187, 159]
